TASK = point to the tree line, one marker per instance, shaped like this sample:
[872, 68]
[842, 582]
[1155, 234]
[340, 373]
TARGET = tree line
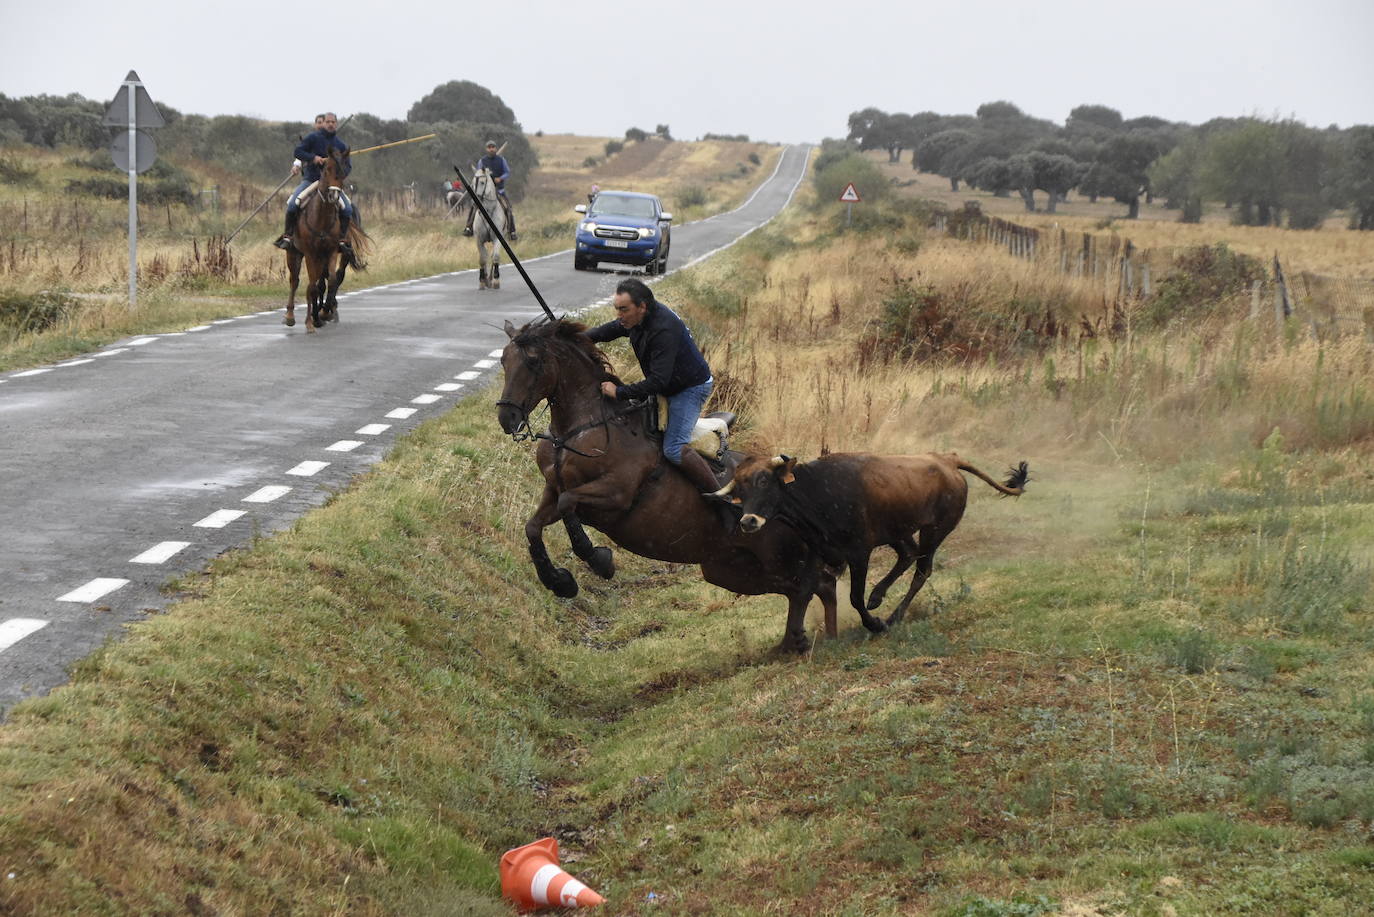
[1270, 172]
[463, 114]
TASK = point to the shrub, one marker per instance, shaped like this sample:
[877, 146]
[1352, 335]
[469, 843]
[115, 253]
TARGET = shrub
[30, 312]
[14, 171]
[1201, 279]
[613, 147]
[692, 196]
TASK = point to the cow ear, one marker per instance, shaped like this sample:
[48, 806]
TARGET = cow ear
[510, 330]
[788, 464]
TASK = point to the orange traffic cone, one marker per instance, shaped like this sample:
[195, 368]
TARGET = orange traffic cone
[532, 878]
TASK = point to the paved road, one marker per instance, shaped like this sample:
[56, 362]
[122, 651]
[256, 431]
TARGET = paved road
[130, 466]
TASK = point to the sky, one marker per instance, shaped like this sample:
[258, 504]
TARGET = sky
[776, 71]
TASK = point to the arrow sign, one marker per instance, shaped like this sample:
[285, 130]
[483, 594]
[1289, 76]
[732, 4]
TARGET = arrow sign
[850, 195]
[145, 112]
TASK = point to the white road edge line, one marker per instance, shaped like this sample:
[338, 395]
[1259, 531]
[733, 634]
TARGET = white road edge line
[220, 518]
[16, 629]
[97, 588]
[160, 553]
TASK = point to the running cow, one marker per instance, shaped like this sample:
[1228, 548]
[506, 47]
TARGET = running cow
[847, 504]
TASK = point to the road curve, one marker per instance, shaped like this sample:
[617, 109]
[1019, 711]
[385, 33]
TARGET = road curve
[127, 467]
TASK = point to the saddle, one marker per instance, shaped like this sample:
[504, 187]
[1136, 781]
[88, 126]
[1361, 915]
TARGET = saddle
[710, 436]
[311, 189]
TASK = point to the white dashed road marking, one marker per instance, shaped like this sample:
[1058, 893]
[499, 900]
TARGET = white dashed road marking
[344, 445]
[448, 387]
[141, 341]
[469, 374]
[373, 429]
[495, 353]
[220, 518]
[33, 372]
[77, 362]
[485, 364]
[96, 588]
[267, 494]
[401, 413]
[16, 629]
[424, 399]
[160, 553]
[306, 469]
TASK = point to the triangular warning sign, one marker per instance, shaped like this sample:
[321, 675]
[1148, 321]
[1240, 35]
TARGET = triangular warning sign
[850, 194]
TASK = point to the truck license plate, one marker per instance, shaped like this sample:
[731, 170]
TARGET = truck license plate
[617, 243]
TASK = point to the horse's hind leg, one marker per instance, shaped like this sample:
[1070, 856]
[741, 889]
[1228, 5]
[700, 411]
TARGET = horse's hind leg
[600, 560]
[496, 271]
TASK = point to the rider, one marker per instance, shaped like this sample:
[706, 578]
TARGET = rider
[496, 164]
[296, 163]
[673, 367]
[311, 152]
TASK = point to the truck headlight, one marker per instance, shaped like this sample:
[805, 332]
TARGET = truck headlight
[646, 233]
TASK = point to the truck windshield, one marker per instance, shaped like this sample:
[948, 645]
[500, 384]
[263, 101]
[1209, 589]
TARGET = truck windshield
[626, 206]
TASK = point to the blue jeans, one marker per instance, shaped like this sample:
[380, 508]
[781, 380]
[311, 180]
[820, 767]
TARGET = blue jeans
[293, 203]
[684, 410]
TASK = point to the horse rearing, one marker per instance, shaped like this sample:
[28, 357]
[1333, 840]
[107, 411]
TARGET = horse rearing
[316, 242]
[601, 466]
[488, 247]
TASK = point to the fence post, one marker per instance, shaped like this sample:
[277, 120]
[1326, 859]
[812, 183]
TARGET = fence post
[1282, 302]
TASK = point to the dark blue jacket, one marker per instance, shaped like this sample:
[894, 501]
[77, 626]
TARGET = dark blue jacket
[667, 354]
[496, 164]
[319, 143]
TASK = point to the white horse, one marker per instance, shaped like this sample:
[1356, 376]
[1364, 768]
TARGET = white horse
[484, 190]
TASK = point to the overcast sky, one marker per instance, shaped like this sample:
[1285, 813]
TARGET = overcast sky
[778, 71]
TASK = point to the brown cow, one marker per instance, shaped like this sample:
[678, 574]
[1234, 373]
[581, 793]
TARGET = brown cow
[847, 504]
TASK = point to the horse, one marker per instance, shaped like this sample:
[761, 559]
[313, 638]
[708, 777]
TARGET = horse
[316, 242]
[484, 190]
[601, 466]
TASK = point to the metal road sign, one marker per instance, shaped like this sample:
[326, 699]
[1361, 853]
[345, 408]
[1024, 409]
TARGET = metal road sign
[850, 195]
[147, 151]
[145, 112]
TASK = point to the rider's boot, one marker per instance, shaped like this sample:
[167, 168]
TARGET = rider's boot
[700, 474]
[350, 258]
[467, 230]
[283, 241]
[510, 220]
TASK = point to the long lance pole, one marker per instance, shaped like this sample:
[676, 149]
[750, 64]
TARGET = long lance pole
[231, 235]
[383, 146]
[504, 244]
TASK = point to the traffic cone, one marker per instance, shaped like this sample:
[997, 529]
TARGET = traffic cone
[532, 878]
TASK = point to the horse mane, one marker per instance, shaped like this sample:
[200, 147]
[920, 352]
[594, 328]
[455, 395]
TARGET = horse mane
[565, 336]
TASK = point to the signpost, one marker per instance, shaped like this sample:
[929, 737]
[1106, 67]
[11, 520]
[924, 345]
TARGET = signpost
[850, 196]
[134, 152]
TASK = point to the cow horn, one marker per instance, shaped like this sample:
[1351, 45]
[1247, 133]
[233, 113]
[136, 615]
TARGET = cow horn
[725, 491]
[777, 461]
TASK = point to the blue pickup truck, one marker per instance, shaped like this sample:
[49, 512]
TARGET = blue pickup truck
[623, 227]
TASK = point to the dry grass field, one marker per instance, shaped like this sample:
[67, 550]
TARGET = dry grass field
[1143, 688]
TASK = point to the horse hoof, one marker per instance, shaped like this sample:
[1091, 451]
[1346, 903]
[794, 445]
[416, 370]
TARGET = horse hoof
[602, 563]
[874, 601]
[563, 585]
[876, 626]
[309, 329]
[794, 644]
[289, 321]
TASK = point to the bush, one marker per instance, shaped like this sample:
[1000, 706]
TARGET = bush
[14, 171]
[692, 196]
[31, 312]
[1202, 278]
[613, 147]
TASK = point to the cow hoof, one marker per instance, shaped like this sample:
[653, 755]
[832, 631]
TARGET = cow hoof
[875, 600]
[876, 625]
[794, 644]
[602, 563]
[309, 328]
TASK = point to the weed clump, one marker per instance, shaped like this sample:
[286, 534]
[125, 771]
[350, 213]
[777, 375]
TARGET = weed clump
[25, 313]
[1202, 279]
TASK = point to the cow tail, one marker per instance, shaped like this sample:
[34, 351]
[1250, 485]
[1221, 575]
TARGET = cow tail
[1016, 478]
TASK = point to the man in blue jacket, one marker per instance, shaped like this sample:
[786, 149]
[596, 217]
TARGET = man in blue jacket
[312, 151]
[673, 367]
[496, 164]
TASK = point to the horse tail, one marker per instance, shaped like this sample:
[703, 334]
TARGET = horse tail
[361, 242]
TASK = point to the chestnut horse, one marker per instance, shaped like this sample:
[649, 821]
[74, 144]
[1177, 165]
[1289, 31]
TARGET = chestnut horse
[601, 466]
[316, 242]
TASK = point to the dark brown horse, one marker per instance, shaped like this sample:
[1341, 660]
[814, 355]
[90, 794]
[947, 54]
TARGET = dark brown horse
[316, 242]
[600, 466]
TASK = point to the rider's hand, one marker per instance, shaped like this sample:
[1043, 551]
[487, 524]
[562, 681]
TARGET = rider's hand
[608, 389]
[319, 160]
[295, 168]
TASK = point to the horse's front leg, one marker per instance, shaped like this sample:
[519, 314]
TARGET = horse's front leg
[600, 560]
[556, 579]
[293, 268]
[330, 312]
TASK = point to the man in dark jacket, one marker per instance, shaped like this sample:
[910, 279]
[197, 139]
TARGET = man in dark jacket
[311, 152]
[673, 367]
[496, 164]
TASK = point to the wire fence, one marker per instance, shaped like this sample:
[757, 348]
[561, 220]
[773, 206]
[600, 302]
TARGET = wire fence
[1328, 305]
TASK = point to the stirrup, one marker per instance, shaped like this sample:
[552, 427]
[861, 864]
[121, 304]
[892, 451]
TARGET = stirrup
[467, 230]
